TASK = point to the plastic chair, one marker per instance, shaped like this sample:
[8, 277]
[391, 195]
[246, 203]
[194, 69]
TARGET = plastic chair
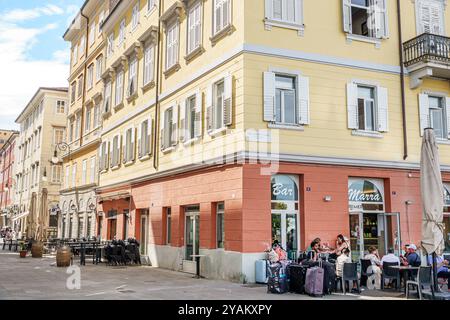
[424, 278]
[365, 264]
[390, 273]
[349, 273]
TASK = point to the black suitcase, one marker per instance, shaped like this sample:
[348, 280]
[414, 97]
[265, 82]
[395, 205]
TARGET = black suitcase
[297, 278]
[329, 282]
[277, 281]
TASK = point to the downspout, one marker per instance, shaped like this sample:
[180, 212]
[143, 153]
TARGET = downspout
[83, 100]
[157, 86]
[402, 81]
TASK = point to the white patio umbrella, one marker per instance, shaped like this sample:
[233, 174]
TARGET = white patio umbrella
[432, 197]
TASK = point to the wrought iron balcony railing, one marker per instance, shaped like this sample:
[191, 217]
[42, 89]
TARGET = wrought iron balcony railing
[427, 48]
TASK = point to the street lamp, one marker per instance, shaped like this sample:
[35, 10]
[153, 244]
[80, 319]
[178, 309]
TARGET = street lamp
[62, 146]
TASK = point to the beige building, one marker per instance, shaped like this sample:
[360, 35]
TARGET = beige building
[4, 136]
[42, 127]
[84, 120]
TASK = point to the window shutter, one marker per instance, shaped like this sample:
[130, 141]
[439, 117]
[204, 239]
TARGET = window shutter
[269, 6]
[447, 103]
[303, 100]
[111, 153]
[133, 144]
[139, 147]
[347, 15]
[424, 112]
[269, 96]
[120, 150]
[100, 156]
[174, 138]
[352, 105]
[209, 107]
[436, 21]
[163, 133]
[198, 115]
[183, 125]
[149, 136]
[106, 155]
[298, 11]
[228, 101]
[382, 109]
[381, 19]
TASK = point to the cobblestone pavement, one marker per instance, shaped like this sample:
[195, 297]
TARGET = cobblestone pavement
[32, 278]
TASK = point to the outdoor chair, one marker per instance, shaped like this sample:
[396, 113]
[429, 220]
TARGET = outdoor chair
[424, 278]
[349, 273]
[365, 264]
[390, 273]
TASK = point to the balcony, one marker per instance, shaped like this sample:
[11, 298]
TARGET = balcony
[427, 55]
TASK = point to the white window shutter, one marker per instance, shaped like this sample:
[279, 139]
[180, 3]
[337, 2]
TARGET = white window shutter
[447, 103]
[163, 133]
[133, 144]
[198, 115]
[269, 96]
[382, 109]
[174, 138]
[150, 136]
[303, 100]
[347, 15]
[139, 141]
[111, 153]
[183, 124]
[381, 19]
[269, 9]
[209, 107]
[228, 101]
[298, 11]
[120, 149]
[424, 112]
[352, 105]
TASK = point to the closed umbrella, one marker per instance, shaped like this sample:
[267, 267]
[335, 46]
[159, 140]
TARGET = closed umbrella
[432, 197]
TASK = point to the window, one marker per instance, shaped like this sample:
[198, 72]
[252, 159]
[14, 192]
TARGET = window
[435, 113]
[56, 173]
[87, 123]
[122, 31]
[430, 16]
[285, 100]
[75, 54]
[222, 15]
[220, 222]
[116, 152]
[437, 117]
[60, 106]
[144, 144]
[78, 126]
[367, 18]
[107, 101]
[84, 172]
[132, 77]
[367, 107]
[99, 68]
[82, 45]
[71, 129]
[129, 145]
[148, 64]
[169, 128]
[219, 104]
[73, 92]
[80, 86]
[119, 88]
[96, 116]
[58, 135]
[101, 18]
[110, 45]
[287, 12]
[151, 4]
[135, 16]
[90, 76]
[92, 29]
[191, 117]
[168, 225]
[103, 156]
[74, 175]
[194, 27]
[172, 46]
[92, 172]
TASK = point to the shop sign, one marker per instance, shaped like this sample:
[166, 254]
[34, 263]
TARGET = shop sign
[364, 191]
[284, 187]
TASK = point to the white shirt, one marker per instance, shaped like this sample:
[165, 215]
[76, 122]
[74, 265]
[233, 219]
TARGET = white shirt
[340, 264]
[390, 257]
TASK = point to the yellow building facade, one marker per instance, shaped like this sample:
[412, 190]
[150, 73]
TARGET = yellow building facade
[228, 125]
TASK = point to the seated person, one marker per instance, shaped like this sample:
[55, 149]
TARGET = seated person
[341, 244]
[343, 258]
[281, 253]
[322, 247]
[390, 257]
[374, 269]
[313, 254]
[413, 259]
[442, 271]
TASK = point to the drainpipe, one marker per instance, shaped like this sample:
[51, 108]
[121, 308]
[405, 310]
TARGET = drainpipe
[402, 81]
[157, 86]
[83, 100]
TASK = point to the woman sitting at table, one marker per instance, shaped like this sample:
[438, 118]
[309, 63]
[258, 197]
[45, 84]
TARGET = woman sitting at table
[341, 244]
[374, 269]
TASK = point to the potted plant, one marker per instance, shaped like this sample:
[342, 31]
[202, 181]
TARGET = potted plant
[22, 249]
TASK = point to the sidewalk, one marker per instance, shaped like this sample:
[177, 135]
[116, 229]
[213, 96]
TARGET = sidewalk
[32, 278]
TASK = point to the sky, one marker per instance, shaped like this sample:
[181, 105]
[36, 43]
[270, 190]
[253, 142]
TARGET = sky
[33, 53]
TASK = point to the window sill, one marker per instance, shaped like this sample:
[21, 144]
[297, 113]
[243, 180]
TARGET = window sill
[143, 158]
[119, 106]
[132, 97]
[167, 150]
[149, 12]
[221, 34]
[269, 23]
[128, 163]
[443, 141]
[370, 134]
[191, 141]
[285, 126]
[103, 171]
[148, 86]
[195, 53]
[355, 37]
[217, 132]
[172, 69]
[115, 168]
[106, 114]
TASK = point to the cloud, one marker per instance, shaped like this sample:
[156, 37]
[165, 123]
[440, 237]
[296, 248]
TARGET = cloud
[21, 15]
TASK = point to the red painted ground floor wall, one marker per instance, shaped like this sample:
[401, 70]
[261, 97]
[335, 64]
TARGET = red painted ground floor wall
[246, 194]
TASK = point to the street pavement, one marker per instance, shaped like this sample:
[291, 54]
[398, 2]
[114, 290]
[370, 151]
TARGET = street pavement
[34, 278]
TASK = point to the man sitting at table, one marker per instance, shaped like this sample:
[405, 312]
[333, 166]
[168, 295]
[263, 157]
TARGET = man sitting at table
[413, 258]
[443, 271]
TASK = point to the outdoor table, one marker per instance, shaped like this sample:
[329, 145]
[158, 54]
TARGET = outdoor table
[405, 271]
[197, 260]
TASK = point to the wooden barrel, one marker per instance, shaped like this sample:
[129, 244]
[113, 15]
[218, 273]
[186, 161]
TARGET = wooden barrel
[37, 249]
[63, 256]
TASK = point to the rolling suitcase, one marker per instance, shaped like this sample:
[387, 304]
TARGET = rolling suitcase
[277, 281]
[297, 278]
[329, 282]
[261, 271]
[314, 281]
